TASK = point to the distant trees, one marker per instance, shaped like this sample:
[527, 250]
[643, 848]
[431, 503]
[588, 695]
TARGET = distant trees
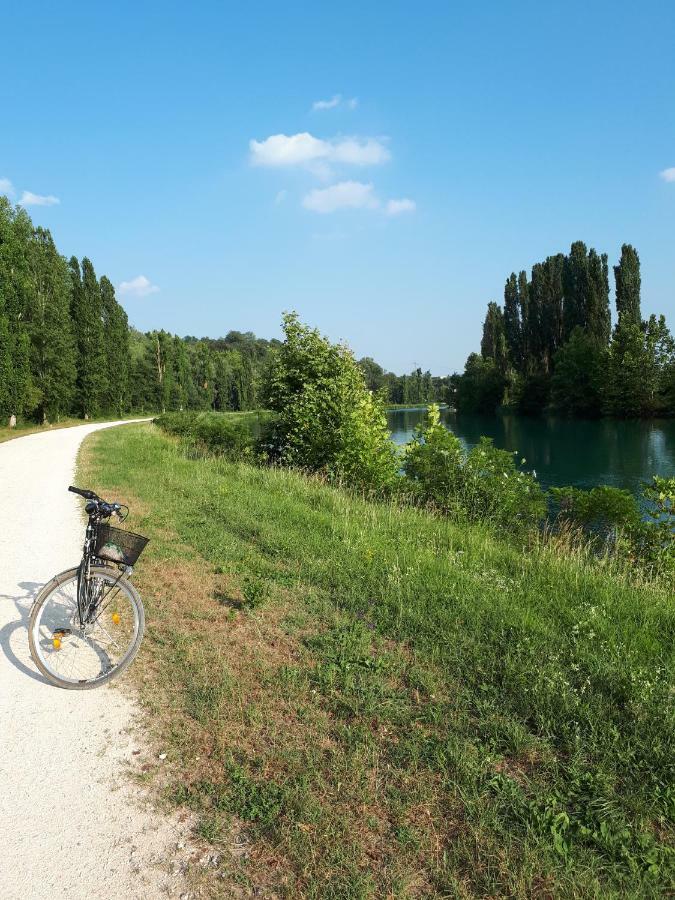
[66, 347]
[552, 343]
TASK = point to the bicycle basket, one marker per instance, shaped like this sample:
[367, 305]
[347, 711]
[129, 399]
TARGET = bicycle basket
[118, 546]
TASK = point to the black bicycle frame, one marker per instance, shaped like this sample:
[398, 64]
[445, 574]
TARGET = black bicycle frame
[86, 603]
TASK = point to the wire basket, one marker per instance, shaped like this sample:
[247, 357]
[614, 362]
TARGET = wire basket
[118, 546]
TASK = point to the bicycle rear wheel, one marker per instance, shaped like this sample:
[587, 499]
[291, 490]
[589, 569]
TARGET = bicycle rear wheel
[81, 658]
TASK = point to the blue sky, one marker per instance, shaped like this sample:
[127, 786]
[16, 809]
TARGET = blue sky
[456, 143]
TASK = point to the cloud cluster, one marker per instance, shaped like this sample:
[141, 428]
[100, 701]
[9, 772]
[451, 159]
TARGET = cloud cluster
[323, 157]
[335, 101]
[668, 174]
[140, 286]
[344, 195]
[353, 195]
[303, 149]
[404, 205]
[28, 198]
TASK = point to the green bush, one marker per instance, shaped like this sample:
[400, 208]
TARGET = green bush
[607, 512]
[484, 483]
[232, 434]
[327, 420]
[596, 510]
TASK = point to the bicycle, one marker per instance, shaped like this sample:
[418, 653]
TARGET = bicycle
[87, 623]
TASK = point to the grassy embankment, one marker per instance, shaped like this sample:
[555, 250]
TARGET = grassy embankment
[364, 701]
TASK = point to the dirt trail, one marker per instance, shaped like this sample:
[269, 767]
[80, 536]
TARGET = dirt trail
[71, 824]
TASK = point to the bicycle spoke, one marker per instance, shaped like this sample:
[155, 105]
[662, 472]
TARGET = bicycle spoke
[73, 654]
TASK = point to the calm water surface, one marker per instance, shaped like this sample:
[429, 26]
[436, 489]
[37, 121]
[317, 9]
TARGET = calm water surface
[562, 451]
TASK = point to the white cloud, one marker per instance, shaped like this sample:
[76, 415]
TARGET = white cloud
[304, 149]
[138, 287]
[28, 198]
[6, 187]
[281, 196]
[396, 207]
[344, 195]
[668, 174]
[335, 100]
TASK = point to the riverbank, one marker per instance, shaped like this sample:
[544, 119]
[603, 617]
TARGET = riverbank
[358, 700]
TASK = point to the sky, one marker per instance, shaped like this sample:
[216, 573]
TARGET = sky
[380, 168]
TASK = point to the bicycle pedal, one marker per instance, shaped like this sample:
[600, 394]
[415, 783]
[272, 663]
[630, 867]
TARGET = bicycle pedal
[62, 632]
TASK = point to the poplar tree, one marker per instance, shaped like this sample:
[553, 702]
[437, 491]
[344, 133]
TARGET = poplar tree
[512, 326]
[575, 286]
[493, 343]
[86, 314]
[524, 306]
[598, 318]
[52, 347]
[116, 350]
[627, 277]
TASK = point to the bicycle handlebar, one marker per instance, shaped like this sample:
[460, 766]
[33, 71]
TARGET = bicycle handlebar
[88, 495]
[101, 507]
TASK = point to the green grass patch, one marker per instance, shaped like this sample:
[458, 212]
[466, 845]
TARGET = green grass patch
[389, 704]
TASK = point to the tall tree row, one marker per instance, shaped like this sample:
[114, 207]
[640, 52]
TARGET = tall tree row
[66, 347]
[551, 345]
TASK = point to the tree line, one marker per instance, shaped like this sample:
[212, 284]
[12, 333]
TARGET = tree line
[416, 388]
[66, 347]
[551, 344]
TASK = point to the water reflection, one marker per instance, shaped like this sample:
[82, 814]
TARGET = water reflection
[563, 451]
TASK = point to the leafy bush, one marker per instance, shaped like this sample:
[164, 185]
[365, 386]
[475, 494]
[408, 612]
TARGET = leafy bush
[597, 510]
[605, 512]
[484, 483]
[327, 420]
[230, 434]
[654, 541]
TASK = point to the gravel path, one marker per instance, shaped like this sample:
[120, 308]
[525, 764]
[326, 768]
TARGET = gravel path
[71, 824]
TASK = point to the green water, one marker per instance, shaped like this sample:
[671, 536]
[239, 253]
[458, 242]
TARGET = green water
[563, 451]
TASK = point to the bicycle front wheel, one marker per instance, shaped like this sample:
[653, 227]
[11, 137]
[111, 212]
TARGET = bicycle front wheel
[81, 657]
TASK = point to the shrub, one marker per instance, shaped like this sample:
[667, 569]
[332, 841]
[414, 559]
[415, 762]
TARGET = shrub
[231, 434]
[484, 483]
[327, 420]
[597, 510]
[654, 541]
[609, 513]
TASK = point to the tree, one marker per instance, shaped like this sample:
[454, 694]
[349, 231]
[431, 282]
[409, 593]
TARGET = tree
[512, 325]
[578, 379]
[627, 276]
[16, 232]
[481, 387]
[525, 324]
[598, 318]
[575, 285]
[327, 419]
[116, 349]
[493, 343]
[86, 314]
[52, 347]
[640, 365]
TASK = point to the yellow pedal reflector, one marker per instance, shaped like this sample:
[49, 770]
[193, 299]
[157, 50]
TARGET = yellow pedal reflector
[57, 643]
[116, 617]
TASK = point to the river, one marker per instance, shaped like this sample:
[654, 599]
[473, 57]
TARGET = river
[579, 452]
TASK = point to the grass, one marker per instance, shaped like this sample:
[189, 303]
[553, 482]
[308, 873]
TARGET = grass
[361, 701]
[23, 428]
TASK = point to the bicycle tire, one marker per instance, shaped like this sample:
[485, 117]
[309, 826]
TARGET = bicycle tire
[40, 601]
